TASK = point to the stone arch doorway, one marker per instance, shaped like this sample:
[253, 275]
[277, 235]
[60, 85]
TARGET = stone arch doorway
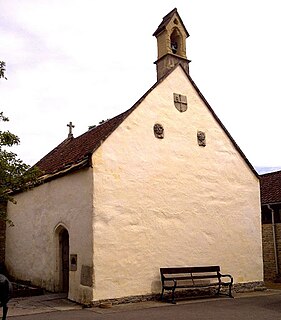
[62, 258]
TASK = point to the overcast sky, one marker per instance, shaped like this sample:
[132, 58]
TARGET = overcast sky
[86, 60]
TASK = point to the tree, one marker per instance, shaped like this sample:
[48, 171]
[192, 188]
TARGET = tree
[2, 69]
[15, 175]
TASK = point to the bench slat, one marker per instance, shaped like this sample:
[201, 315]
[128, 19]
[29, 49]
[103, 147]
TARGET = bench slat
[198, 285]
[189, 277]
[201, 269]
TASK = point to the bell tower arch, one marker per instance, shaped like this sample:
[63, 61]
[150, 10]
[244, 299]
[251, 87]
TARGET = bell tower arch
[171, 37]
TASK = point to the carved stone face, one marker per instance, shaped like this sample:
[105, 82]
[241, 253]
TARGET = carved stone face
[201, 138]
[158, 131]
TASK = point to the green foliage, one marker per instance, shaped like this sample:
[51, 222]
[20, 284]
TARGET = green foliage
[2, 69]
[15, 175]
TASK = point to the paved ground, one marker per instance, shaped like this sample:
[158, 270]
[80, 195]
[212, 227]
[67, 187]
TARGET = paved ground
[40, 304]
[256, 305]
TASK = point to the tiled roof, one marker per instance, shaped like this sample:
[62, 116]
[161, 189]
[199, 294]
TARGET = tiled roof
[270, 187]
[166, 20]
[74, 150]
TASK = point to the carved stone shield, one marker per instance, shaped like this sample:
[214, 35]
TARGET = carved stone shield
[180, 102]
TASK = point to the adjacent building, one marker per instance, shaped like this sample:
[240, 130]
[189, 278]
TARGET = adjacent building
[271, 224]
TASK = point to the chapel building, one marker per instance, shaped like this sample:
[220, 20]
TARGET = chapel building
[162, 184]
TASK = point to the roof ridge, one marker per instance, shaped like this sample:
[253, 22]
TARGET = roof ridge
[73, 150]
[270, 173]
[101, 124]
[170, 14]
[219, 121]
[166, 20]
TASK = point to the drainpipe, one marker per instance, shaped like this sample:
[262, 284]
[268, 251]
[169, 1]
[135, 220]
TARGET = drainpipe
[274, 242]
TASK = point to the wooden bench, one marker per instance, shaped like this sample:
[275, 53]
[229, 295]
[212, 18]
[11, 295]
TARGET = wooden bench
[194, 277]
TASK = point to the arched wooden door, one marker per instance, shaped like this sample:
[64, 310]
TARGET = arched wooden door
[64, 260]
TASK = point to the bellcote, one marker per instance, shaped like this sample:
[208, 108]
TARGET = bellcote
[171, 37]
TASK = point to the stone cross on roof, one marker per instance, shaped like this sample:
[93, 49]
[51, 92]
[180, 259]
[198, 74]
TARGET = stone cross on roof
[70, 125]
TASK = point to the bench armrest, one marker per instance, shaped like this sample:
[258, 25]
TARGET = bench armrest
[227, 275]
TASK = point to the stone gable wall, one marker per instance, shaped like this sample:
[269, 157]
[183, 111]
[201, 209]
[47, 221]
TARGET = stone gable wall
[165, 198]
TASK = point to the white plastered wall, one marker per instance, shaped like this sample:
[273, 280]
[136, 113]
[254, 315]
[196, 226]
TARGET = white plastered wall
[169, 202]
[32, 244]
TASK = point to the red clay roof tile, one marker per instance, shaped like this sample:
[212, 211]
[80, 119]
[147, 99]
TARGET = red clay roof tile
[73, 150]
[270, 187]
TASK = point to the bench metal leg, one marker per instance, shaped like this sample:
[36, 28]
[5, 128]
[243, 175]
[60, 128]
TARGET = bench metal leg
[173, 291]
[230, 293]
[162, 293]
[173, 296]
[5, 311]
[219, 289]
